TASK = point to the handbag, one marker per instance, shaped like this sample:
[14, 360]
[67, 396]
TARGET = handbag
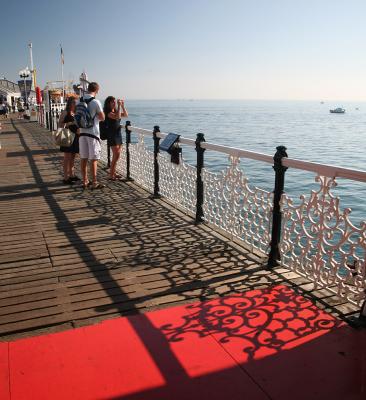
[64, 137]
[104, 130]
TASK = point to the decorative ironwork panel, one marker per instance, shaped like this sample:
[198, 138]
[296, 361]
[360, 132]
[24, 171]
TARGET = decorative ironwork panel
[142, 164]
[320, 242]
[178, 182]
[233, 206]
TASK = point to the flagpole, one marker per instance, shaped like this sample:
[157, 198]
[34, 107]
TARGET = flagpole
[62, 74]
[33, 71]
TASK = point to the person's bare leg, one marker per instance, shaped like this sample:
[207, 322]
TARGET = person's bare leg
[93, 167]
[112, 170]
[66, 165]
[84, 172]
[117, 156]
[72, 165]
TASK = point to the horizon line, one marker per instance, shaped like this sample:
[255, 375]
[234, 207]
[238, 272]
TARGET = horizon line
[239, 99]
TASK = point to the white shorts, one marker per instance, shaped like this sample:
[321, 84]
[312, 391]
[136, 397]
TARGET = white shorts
[89, 148]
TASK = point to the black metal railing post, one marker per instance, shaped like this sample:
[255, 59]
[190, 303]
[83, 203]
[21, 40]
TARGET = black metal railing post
[199, 182]
[274, 254]
[156, 139]
[128, 160]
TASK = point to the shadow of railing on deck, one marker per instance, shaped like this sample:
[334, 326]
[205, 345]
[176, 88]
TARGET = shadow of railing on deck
[120, 300]
[251, 320]
[116, 294]
[262, 322]
[266, 333]
[33, 153]
[199, 262]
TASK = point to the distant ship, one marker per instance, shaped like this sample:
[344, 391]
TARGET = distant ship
[322, 102]
[338, 110]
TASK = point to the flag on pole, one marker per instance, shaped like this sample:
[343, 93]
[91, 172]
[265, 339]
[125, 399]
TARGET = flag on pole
[62, 56]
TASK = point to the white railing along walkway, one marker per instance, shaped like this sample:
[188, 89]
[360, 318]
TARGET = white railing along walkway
[315, 237]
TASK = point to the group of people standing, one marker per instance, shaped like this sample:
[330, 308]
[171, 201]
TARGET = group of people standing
[6, 108]
[87, 141]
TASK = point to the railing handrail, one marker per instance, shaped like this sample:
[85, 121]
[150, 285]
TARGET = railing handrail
[161, 135]
[326, 169]
[318, 168]
[236, 152]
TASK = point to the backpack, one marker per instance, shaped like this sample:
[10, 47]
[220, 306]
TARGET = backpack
[82, 116]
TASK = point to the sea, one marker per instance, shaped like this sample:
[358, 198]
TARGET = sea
[306, 128]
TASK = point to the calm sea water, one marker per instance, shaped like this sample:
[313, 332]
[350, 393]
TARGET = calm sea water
[306, 128]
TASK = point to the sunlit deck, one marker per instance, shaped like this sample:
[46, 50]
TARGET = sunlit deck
[213, 322]
[69, 258]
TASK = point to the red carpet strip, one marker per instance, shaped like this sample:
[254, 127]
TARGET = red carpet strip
[262, 344]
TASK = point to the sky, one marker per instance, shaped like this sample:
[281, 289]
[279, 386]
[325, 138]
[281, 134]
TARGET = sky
[193, 49]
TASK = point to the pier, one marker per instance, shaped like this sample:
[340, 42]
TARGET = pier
[70, 259]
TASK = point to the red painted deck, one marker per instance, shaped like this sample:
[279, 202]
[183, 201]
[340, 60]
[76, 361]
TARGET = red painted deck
[263, 344]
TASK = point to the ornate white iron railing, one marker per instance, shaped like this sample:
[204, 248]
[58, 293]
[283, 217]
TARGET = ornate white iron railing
[178, 183]
[318, 239]
[315, 238]
[232, 205]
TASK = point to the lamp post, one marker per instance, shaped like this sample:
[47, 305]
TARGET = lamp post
[24, 73]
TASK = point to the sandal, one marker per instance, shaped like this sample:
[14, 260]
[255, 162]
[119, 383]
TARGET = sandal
[98, 186]
[86, 185]
[68, 181]
[112, 179]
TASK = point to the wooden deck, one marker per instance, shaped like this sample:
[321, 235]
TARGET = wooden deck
[69, 258]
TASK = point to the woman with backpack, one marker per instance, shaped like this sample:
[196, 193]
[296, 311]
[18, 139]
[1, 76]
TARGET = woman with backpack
[113, 114]
[67, 121]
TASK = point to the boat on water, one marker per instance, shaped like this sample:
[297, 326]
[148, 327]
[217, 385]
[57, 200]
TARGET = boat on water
[338, 110]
